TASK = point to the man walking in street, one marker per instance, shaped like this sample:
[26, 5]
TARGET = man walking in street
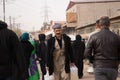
[98, 28]
[59, 54]
[12, 61]
[105, 46]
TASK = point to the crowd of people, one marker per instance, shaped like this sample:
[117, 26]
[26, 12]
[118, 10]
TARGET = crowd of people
[57, 54]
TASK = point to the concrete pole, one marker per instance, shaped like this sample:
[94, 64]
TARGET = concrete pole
[4, 10]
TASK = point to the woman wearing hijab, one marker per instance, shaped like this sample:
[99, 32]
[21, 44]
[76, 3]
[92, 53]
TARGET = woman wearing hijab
[27, 47]
[42, 53]
[78, 52]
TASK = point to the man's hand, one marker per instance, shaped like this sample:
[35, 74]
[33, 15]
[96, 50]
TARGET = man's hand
[72, 64]
[47, 68]
[39, 59]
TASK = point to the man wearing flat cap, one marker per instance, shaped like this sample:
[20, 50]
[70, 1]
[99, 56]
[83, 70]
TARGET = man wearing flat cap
[60, 54]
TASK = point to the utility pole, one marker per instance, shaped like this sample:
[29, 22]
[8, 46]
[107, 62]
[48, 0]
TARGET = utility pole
[10, 22]
[13, 23]
[46, 12]
[18, 26]
[46, 18]
[4, 10]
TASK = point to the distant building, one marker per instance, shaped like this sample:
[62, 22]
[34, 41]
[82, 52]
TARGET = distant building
[71, 18]
[82, 14]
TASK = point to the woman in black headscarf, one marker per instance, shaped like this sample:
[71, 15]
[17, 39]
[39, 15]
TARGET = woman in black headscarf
[42, 53]
[78, 52]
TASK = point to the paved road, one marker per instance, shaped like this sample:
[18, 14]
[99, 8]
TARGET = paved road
[86, 76]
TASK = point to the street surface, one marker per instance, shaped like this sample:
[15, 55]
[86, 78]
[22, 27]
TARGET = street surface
[86, 76]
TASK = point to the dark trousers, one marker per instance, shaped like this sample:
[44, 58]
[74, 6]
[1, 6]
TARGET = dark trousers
[80, 69]
[43, 77]
[43, 68]
[105, 73]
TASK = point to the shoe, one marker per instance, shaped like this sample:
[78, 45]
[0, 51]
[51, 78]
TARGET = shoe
[80, 77]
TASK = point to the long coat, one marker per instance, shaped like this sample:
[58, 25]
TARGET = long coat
[42, 53]
[12, 61]
[78, 51]
[27, 48]
[68, 54]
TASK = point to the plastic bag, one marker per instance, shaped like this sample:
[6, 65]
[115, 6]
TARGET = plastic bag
[47, 77]
[74, 73]
[119, 71]
[90, 69]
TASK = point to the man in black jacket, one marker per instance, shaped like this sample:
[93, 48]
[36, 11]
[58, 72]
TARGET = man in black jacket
[59, 54]
[105, 46]
[12, 64]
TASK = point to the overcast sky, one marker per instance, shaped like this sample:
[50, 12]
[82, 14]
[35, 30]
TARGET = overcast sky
[30, 13]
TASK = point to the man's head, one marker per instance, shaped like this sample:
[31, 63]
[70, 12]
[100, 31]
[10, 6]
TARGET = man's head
[57, 30]
[42, 37]
[24, 36]
[104, 22]
[3, 24]
[78, 37]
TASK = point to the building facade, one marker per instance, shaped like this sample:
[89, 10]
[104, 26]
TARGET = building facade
[86, 12]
